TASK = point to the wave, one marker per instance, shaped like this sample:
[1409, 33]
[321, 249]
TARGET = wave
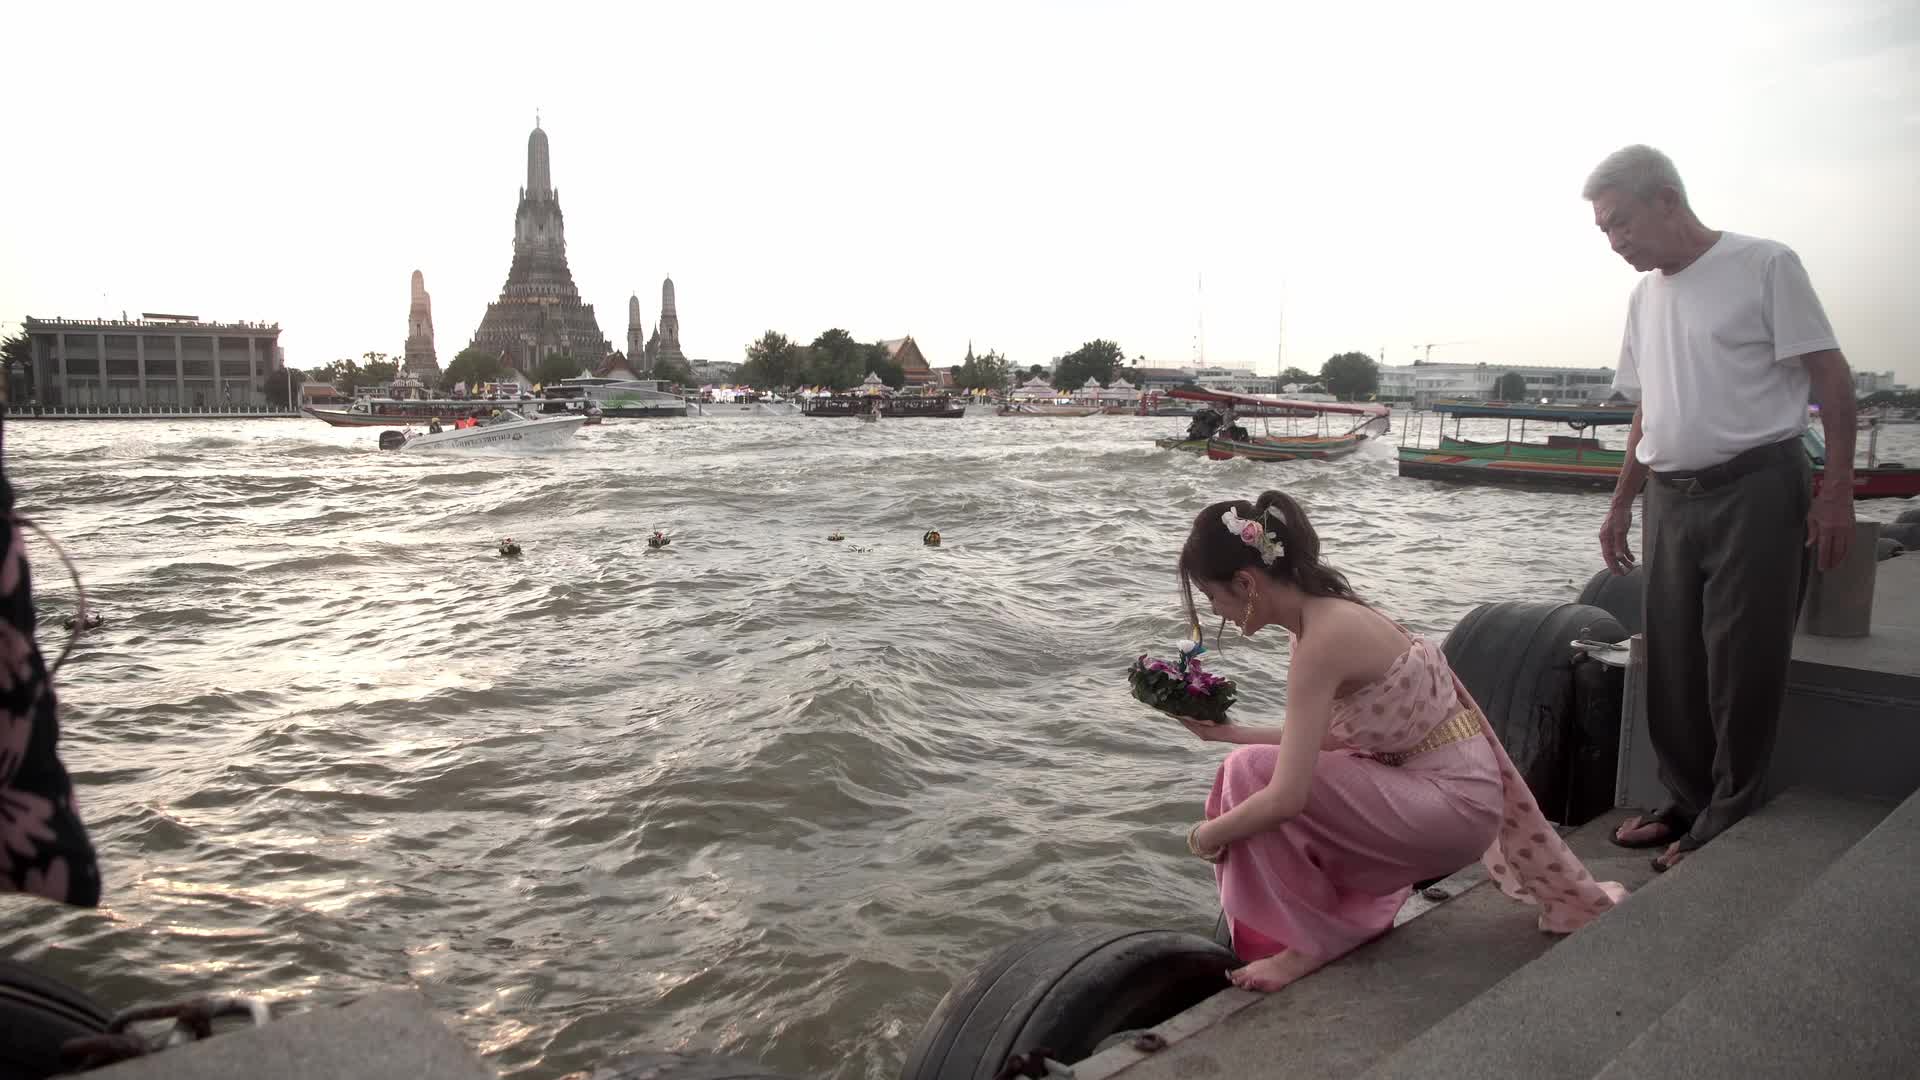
[735, 764]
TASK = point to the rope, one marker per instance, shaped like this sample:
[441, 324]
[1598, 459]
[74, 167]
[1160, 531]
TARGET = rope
[79, 591]
[1034, 1065]
[192, 1018]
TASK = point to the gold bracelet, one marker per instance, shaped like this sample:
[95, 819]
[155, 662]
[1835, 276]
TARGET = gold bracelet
[1194, 846]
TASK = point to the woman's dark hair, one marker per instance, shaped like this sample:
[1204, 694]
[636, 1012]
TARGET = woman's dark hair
[1212, 553]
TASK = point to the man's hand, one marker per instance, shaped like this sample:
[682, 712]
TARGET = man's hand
[1830, 522]
[1613, 539]
[1830, 525]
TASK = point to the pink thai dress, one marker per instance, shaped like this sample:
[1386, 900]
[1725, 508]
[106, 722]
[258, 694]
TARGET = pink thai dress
[1388, 808]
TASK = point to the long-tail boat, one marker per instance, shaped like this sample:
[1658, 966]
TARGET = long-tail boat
[1878, 479]
[1577, 460]
[1218, 441]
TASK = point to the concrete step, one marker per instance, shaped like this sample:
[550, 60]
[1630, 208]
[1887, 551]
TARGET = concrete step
[388, 1035]
[1827, 990]
[1350, 1014]
[1571, 1011]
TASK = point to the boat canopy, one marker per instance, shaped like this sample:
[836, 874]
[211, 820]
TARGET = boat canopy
[1576, 415]
[1283, 406]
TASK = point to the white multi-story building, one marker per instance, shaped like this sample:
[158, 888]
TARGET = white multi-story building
[1231, 380]
[1423, 384]
[1235, 380]
[1872, 382]
[173, 360]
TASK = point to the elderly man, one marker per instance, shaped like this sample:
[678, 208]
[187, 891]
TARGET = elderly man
[1724, 340]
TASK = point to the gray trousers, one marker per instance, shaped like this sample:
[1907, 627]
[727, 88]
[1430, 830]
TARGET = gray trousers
[1726, 568]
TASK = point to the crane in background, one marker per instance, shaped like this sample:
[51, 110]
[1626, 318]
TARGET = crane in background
[1426, 356]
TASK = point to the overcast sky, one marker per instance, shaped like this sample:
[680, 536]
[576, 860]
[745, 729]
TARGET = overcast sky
[1028, 176]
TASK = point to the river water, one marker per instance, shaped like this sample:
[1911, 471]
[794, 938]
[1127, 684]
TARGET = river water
[758, 793]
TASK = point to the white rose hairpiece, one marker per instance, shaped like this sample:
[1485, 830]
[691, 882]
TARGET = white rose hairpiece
[1254, 534]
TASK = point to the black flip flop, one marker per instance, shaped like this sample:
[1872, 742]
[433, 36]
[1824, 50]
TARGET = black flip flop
[1677, 825]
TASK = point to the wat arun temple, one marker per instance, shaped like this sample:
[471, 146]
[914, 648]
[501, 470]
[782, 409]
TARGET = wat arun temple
[539, 313]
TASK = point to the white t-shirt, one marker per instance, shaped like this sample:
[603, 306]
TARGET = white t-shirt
[1712, 353]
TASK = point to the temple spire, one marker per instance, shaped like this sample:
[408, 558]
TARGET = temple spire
[419, 358]
[539, 174]
[636, 336]
[669, 326]
[665, 343]
[539, 313]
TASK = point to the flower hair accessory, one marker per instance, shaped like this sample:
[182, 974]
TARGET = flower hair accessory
[1253, 533]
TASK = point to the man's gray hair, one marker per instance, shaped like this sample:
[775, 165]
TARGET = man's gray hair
[1638, 171]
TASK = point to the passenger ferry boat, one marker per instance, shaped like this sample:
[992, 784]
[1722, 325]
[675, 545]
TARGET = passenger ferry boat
[615, 397]
[739, 402]
[407, 401]
[892, 406]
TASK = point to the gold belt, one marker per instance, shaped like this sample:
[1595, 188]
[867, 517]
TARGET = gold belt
[1459, 727]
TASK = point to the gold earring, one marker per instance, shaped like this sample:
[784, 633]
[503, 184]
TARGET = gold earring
[1246, 616]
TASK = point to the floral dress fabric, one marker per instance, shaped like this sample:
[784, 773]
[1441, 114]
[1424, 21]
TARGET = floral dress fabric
[44, 848]
[1335, 876]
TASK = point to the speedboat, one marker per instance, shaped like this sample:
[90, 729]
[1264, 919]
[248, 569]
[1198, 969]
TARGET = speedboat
[508, 431]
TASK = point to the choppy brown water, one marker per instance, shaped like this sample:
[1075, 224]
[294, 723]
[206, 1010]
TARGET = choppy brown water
[759, 793]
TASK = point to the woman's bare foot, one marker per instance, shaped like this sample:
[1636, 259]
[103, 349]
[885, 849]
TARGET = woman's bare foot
[1274, 972]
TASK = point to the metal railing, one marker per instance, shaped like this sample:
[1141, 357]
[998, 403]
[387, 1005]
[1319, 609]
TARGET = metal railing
[136, 411]
[148, 324]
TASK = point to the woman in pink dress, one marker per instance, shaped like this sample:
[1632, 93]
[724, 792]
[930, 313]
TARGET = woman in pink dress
[1385, 773]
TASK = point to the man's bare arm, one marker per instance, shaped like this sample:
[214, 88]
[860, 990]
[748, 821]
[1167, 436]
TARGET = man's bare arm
[1613, 530]
[1830, 522]
[1633, 475]
[1832, 389]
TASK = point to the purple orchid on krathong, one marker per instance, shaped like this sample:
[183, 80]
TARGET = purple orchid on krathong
[1181, 688]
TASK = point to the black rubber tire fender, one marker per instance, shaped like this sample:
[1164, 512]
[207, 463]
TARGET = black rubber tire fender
[37, 1014]
[1624, 596]
[1908, 517]
[1906, 534]
[1063, 989]
[1516, 660]
[1886, 548]
[1594, 758]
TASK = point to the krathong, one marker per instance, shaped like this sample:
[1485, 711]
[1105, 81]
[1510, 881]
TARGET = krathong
[1181, 688]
